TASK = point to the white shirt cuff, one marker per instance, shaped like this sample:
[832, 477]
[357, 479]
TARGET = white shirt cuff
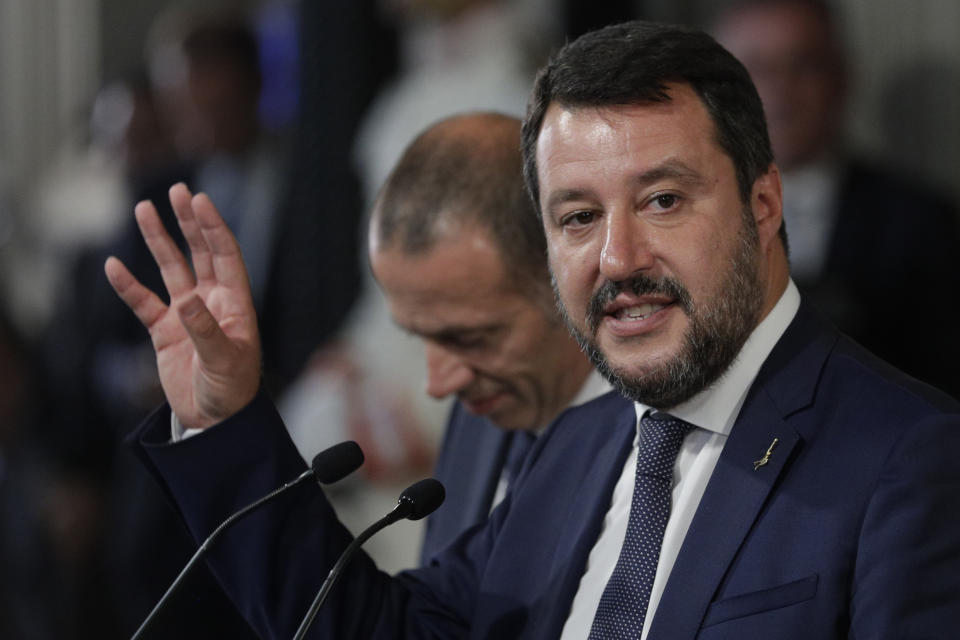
[178, 432]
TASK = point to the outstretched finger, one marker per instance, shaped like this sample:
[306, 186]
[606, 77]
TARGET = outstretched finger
[180, 198]
[174, 270]
[145, 304]
[225, 252]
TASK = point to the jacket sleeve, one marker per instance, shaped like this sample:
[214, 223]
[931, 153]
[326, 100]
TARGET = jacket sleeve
[272, 562]
[907, 574]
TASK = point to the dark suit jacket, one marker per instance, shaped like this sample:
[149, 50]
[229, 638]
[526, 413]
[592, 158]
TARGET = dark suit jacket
[469, 465]
[851, 530]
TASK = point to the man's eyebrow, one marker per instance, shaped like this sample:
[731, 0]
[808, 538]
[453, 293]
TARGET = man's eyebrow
[668, 169]
[565, 195]
[452, 331]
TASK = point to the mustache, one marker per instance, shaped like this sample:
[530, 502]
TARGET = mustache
[638, 285]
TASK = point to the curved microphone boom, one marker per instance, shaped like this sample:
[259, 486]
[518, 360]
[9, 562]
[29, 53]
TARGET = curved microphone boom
[330, 465]
[417, 501]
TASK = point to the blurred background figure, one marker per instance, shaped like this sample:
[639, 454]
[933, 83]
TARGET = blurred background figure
[869, 246]
[48, 527]
[454, 56]
[292, 200]
[926, 147]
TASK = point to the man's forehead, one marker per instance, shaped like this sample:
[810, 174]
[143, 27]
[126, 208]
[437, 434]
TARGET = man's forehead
[455, 255]
[460, 277]
[560, 114]
[574, 131]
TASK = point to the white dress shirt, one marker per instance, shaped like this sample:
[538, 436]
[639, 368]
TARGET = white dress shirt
[713, 413]
[810, 196]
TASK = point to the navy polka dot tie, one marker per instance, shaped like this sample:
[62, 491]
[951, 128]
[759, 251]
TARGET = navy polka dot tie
[623, 605]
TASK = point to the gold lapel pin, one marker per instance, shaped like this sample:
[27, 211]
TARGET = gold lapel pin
[766, 457]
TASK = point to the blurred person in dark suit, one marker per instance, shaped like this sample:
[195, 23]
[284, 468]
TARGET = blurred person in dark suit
[865, 242]
[456, 247]
[50, 524]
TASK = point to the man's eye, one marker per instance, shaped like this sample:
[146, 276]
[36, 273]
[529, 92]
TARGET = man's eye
[666, 200]
[579, 218]
[469, 341]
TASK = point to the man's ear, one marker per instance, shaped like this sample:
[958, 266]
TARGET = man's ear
[766, 202]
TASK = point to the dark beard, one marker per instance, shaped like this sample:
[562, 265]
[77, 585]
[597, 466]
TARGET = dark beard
[718, 328]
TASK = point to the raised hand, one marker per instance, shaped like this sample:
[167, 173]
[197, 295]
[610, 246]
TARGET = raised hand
[206, 340]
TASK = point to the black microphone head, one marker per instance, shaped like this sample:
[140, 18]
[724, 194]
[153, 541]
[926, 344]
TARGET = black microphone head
[422, 498]
[337, 462]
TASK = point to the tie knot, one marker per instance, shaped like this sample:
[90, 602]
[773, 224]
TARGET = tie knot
[661, 436]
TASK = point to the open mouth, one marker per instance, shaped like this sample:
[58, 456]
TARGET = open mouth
[634, 301]
[631, 317]
[639, 312]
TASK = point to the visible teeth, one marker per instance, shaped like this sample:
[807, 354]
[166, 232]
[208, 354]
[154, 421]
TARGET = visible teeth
[639, 311]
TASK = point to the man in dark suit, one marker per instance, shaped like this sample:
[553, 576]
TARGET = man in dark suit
[808, 485]
[857, 230]
[458, 251]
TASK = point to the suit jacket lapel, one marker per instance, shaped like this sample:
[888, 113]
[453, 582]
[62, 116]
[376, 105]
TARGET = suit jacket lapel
[737, 492]
[490, 447]
[730, 505]
[469, 467]
[584, 518]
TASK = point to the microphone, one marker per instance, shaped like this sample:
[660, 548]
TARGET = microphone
[330, 465]
[417, 501]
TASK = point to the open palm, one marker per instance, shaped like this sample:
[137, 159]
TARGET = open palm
[206, 340]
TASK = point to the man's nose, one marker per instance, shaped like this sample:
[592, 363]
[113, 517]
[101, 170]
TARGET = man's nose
[446, 372]
[626, 247]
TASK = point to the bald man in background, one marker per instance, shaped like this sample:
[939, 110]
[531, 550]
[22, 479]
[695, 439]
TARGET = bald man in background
[459, 253]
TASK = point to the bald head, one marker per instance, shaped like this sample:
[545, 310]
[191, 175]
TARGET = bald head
[463, 173]
[458, 251]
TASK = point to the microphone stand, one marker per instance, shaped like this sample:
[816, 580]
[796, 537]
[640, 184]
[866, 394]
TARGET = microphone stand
[398, 513]
[329, 466]
[417, 501]
[202, 550]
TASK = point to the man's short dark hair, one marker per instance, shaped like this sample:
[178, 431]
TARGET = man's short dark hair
[632, 63]
[465, 172]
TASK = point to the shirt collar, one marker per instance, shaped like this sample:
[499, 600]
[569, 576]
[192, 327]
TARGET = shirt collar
[716, 408]
[593, 387]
